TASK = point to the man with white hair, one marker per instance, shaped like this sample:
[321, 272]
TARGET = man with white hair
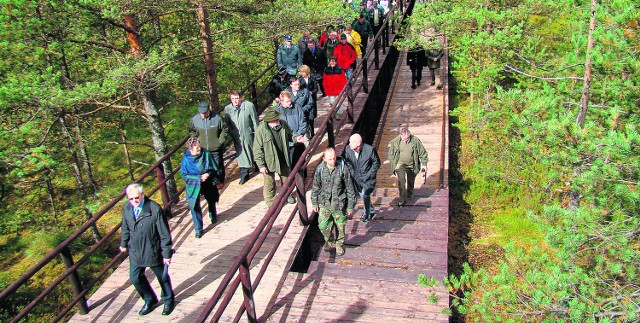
[363, 163]
[145, 234]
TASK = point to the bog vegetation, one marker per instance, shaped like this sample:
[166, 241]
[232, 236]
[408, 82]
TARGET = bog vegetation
[547, 109]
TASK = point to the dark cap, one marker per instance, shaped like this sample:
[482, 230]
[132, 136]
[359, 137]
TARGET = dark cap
[203, 107]
[287, 37]
[362, 15]
[282, 71]
[343, 36]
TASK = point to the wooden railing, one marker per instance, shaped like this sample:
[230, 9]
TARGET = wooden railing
[255, 241]
[240, 268]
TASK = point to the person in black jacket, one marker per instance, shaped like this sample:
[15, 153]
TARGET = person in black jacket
[363, 163]
[279, 83]
[316, 59]
[145, 234]
[416, 59]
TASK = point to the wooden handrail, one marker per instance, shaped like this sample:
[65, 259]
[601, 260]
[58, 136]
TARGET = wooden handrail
[256, 239]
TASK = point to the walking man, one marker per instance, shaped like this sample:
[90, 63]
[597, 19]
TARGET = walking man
[270, 150]
[145, 234]
[333, 197]
[213, 132]
[363, 163]
[407, 156]
[242, 119]
[434, 53]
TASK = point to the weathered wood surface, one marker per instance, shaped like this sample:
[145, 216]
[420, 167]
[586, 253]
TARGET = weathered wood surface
[199, 264]
[376, 279]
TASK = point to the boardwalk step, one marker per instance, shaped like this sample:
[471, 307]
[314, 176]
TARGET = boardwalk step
[347, 270]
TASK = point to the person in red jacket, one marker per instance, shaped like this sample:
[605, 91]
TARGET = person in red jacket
[345, 55]
[334, 80]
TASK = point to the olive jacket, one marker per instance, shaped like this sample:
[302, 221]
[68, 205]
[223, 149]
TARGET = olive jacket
[265, 149]
[420, 156]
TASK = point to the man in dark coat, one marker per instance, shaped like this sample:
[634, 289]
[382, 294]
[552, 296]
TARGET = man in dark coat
[315, 58]
[213, 133]
[363, 163]
[145, 234]
[416, 59]
[279, 83]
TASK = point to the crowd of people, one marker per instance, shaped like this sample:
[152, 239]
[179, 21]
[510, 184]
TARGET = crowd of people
[273, 146]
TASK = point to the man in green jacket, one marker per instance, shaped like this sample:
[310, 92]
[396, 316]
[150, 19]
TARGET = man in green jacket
[407, 156]
[213, 133]
[271, 152]
[333, 197]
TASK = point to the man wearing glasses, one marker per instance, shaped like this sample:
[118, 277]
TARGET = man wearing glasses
[145, 234]
[289, 56]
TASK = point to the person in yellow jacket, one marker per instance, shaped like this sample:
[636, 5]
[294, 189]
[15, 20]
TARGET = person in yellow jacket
[353, 38]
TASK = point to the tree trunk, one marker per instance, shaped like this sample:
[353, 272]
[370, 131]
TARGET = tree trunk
[51, 193]
[147, 95]
[74, 156]
[125, 147]
[84, 158]
[207, 45]
[584, 102]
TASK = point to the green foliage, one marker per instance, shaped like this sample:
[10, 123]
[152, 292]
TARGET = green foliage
[70, 87]
[561, 199]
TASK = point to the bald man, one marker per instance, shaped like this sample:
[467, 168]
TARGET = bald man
[363, 163]
[333, 197]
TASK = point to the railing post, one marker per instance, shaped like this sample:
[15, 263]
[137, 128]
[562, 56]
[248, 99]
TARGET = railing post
[74, 280]
[365, 75]
[385, 39]
[163, 188]
[254, 92]
[376, 56]
[330, 135]
[350, 100]
[249, 304]
[302, 199]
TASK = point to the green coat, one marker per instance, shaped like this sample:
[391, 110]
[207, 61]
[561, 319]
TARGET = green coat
[433, 54]
[264, 149]
[420, 156]
[333, 191]
[243, 123]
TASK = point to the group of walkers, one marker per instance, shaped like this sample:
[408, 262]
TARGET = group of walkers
[273, 146]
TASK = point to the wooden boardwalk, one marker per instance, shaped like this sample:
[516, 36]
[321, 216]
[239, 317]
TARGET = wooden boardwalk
[375, 281]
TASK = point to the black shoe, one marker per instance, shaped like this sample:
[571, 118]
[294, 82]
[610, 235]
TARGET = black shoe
[213, 218]
[402, 203]
[371, 216]
[439, 87]
[147, 308]
[168, 308]
[413, 86]
[432, 83]
[243, 180]
[364, 218]
[418, 82]
[198, 235]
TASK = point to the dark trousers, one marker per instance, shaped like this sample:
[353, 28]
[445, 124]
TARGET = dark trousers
[141, 283]
[416, 75]
[406, 181]
[218, 158]
[295, 152]
[210, 193]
